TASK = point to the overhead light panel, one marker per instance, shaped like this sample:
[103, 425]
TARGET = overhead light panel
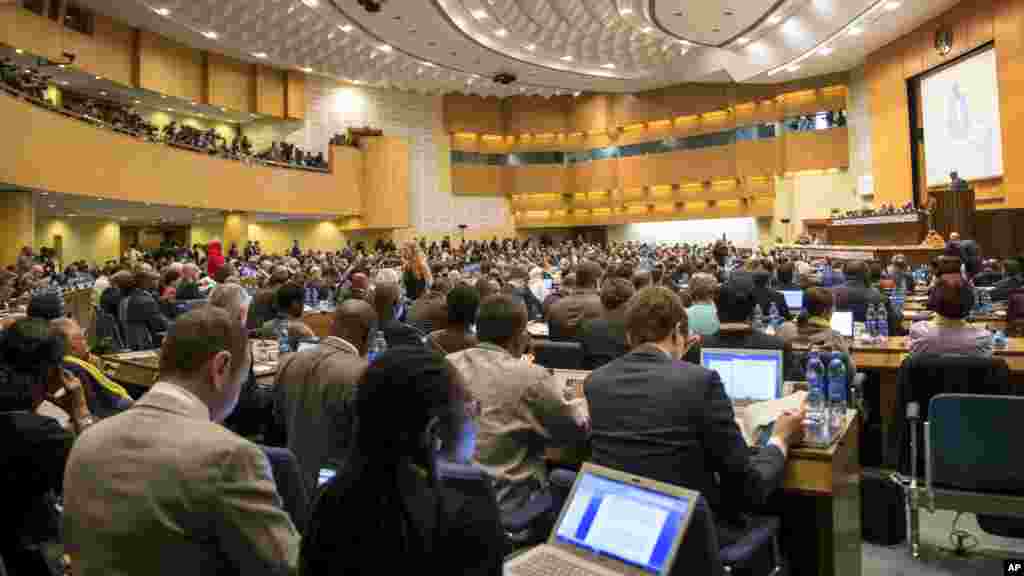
[646, 29]
[312, 3]
[501, 32]
[138, 102]
[855, 31]
[530, 47]
[609, 66]
[211, 34]
[103, 93]
[480, 14]
[793, 68]
[429, 64]
[826, 51]
[890, 6]
[259, 54]
[165, 12]
[774, 19]
[567, 58]
[307, 70]
[19, 51]
[345, 28]
[385, 48]
[743, 40]
[625, 11]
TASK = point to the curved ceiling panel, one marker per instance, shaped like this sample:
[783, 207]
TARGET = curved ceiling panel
[711, 23]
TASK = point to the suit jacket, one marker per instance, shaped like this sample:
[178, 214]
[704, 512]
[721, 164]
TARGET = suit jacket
[765, 296]
[144, 310]
[187, 291]
[449, 341]
[1001, 290]
[429, 313]
[263, 308]
[857, 298]
[160, 489]
[603, 340]
[672, 421]
[565, 316]
[313, 393]
[398, 334]
[741, 336]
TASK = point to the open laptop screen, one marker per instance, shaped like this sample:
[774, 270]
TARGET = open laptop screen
[842, 322]
[794, 300]
[746, 374]
[621, 521]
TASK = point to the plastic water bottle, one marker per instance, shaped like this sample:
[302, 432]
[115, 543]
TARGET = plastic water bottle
[986, 302]
[882, 321]
[816, 415]
[773, 315]
[870, 322]
[757, 321]
[837, 391]
[899, 295]
[380, 345]
[284, 343]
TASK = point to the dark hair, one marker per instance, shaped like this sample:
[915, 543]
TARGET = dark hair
[587, 274]
[641, 280]
[785, 273]
[615, 292]
[856, 271]
[287, 295]
[198, 335]
[501, 318]
[818, 301]
[463, 302]
[951, 297]
[653, 314]
[28, 351]
[735, 304]
[397, 397]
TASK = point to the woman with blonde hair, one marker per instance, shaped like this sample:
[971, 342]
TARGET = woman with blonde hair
[416, 274]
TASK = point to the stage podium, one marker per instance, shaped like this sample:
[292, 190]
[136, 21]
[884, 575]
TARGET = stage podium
[954, 210]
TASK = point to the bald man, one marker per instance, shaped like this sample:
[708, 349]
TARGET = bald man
[314, 388]
[385, 301]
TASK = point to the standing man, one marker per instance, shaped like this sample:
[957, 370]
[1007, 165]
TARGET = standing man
[163, 488]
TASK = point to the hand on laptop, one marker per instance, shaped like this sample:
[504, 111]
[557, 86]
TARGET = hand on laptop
[789, 428]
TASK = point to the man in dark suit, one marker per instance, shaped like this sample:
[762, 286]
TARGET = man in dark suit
[565, 316]
[765, 296]
[654, 415]
[856, 295]
[385, 301]
[429, 312]
[785, 277]
[735, 307]
[142, 310]
[604, 339]
[1012, 280]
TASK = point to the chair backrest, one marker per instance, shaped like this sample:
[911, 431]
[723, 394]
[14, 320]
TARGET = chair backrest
[922, 377]
[558, 355]
[288, 477]
[1015, 306]
[107, 327]
[973, 444]
[137, 336]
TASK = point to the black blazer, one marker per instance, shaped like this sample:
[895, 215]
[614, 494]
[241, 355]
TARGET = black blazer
[399, 334]
[672, 421]
[764, 297]
[856, 299]
[143, 309]
[603, 340]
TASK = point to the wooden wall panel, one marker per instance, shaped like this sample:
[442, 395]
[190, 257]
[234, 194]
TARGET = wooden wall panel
[231, 83]
[536, 179]
[270, 87]
[821, 150]
[108, 52]
[475, 180]
[592, 113]
[464, 113]
[536, 114]
[295, 95]
[757, 158]
[23, 29]
[386, 192]
[170, 68]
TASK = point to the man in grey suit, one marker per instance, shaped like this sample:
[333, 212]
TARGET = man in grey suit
[314, 389]
[162, 488]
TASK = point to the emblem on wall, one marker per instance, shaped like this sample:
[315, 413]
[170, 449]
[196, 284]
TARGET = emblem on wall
[944, 40]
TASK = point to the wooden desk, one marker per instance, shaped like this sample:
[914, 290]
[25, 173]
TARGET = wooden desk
[142, 369]
[915, 254]
[319, 322]
[882, 230]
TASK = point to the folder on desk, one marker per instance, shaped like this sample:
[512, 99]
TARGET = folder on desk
[756, 418]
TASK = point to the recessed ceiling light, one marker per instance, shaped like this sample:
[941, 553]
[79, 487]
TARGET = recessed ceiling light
[164, 96]
[259, 54]
[19, 51]
[103, 93]
[170, 109]
[192, 103]
[53, 205]
[855, 31]
[609, 66]
[138, 102]
[223, 109]
[826, 51]
[65, 83]
[429, 64]
[501, 32]
[530, 47]
[479, 14]
[743, 40]
[626, 11]
[307, 70]
[646, 29]
[99, 77]
[890, 6]
[345, 28]
[385, 48]
[774, 19]
[576, 94]
[211, 34]
[61, 66]
[311, 3]
[165, 12]
[793, 68]
[567, 58]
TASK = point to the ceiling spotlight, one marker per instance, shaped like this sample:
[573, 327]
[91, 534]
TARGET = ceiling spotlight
[826, 51]
[890, 6]
[385, 48]
[103, 93]
[211, 35]
[170, 109]
[61, 66]
[501, 32]
[683, 51]
[99, 77]
[53, 205]
[311, 3]
[345, 28]
[165, 12]
[743, 40]
[793, 68]
[567, 58]
[646, 29]
[625, 11]
[138, 101]
[855, 31]
[223, 109]
[307, 70]
[259, 54]
[429, 64]
[65, 83]
[576, 94]
[19, 51]
[774, 19]
[530, 47]
[479, 14]
[609, 66]
[164, 96]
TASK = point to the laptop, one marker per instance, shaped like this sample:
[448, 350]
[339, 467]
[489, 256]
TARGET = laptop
[842, 322]
[613, 523]
[794, 300]
[748, 375]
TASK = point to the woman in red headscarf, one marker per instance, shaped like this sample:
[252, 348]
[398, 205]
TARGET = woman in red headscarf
[214, 258]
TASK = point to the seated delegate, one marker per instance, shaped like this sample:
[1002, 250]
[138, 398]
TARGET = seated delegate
[948, 332]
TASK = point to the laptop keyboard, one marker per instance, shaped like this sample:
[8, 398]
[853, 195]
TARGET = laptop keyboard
[547, 564]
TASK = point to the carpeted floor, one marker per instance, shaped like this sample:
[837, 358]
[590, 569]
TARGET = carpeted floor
[938, 560]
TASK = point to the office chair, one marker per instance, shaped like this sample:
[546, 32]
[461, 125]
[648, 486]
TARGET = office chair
[971, 463]
[288, 477]
[107, 328]
[558, 355]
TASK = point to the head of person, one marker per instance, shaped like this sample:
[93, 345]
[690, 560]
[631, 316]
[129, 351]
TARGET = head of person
[233, 299]
[616, 292]
[279, 275]
[225, 273]
[703, 287]
[641, 280]
[171, 276]
[856, 273]
[1011, 267]
[441, 287]
[206, 351]
[587, 275]
[354, 321]
[146, 280]
[898, 264]
[951, 297]
[289, 300]
[656, 315]
[785, 272]
[75, 342]
[315, 273]
[501, 321]
[385, 301]
[189, 272]
[462, 303]
[30, 355]
[735, 304]
[47, 305]
[947, 264]
[819, 302]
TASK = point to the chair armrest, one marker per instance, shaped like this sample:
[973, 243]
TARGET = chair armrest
[520, 519]
[857, 384]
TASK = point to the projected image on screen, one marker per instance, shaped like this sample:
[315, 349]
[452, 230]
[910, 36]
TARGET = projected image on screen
[961, 120]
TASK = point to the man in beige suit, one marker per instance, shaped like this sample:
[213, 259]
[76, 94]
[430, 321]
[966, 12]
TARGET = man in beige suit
[162, 488]
[314, 389]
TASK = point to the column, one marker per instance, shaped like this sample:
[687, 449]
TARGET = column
[17, 224]
[236, 230]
